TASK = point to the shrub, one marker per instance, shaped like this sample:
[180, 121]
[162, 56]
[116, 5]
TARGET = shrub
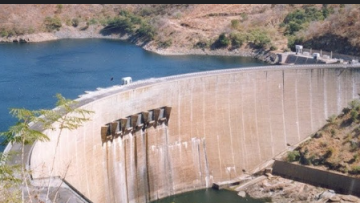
[293, 156]
[201, 44]
[31, 30]
[333, 132]
[354, 146]
[222, 41]
[235, 24]
[354, 115]
[293, 40]
[92, 21]
[120, 24]
[4, 33]
[273, 48]
[58, 8]
[355, 170]
[354, 104]
[146, 31]
[356, 157]
[75, 22]
[52, 23]
[329, 152]
[237, 39]
[260, 38]
[165, 44]
[244, 17]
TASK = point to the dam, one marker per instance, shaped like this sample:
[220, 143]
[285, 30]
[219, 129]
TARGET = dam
[164, 136]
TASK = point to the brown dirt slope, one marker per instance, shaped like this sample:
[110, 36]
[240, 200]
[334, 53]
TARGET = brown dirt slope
[185, 25]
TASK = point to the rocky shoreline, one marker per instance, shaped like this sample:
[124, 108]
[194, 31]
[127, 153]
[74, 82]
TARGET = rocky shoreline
[93, 31]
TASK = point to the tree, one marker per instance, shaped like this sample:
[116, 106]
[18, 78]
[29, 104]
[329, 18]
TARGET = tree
[65, 116]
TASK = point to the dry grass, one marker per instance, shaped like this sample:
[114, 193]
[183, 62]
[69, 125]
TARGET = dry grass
[187, 24]
[336, 146]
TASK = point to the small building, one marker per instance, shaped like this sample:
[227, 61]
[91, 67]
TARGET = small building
[299, 49]
[316, 55]
[126, 80]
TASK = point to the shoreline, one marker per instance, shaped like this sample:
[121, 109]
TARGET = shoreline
[93, 32]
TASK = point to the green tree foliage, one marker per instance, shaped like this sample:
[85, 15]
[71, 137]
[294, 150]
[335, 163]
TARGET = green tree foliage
[298, 19]
[294, 40]
[293, 156]
[202, 44]
[65, 116]
[52, 24]
[9, 181]
[354, 104]
[146, 31]
[222, 41]
[237, 39]
[123, 24]
[260, 38]
[128, 22]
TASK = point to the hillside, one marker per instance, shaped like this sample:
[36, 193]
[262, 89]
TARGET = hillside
[190, 28]
[336, 146]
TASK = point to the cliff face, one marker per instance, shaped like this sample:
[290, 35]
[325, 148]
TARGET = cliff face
[185, 26]
[222, 124]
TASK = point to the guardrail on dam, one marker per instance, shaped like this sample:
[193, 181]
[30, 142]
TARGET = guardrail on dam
[222, 124]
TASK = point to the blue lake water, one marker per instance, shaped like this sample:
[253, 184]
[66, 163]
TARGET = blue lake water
[31, 74]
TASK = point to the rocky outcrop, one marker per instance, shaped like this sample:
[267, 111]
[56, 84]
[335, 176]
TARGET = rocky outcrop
[38, 37]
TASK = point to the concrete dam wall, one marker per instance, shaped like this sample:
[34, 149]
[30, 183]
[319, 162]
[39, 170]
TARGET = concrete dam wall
[195, 129]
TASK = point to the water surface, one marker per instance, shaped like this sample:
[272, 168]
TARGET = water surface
[208, 196]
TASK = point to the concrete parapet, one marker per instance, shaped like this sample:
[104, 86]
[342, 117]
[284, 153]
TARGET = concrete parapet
[338, 182]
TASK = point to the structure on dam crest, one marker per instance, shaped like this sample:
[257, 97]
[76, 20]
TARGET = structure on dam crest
[164, 136]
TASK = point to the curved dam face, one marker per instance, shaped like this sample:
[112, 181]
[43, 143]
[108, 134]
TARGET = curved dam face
[215, 126]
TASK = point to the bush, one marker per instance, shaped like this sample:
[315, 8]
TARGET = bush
[52, 23]
[58, 8]
[4, 33]
[237, 39]
[222, 41]
[201, 44]
[293, 40]
[75, 22]
[354, 104]
[146, 31]
[244, 17]
[165, 44]
[260, 38]
[122, 24]
[332, 119]
[354, 115]
[273, 48]
[92, 21]
[355, 170]
[235, 24]
[293, 156]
